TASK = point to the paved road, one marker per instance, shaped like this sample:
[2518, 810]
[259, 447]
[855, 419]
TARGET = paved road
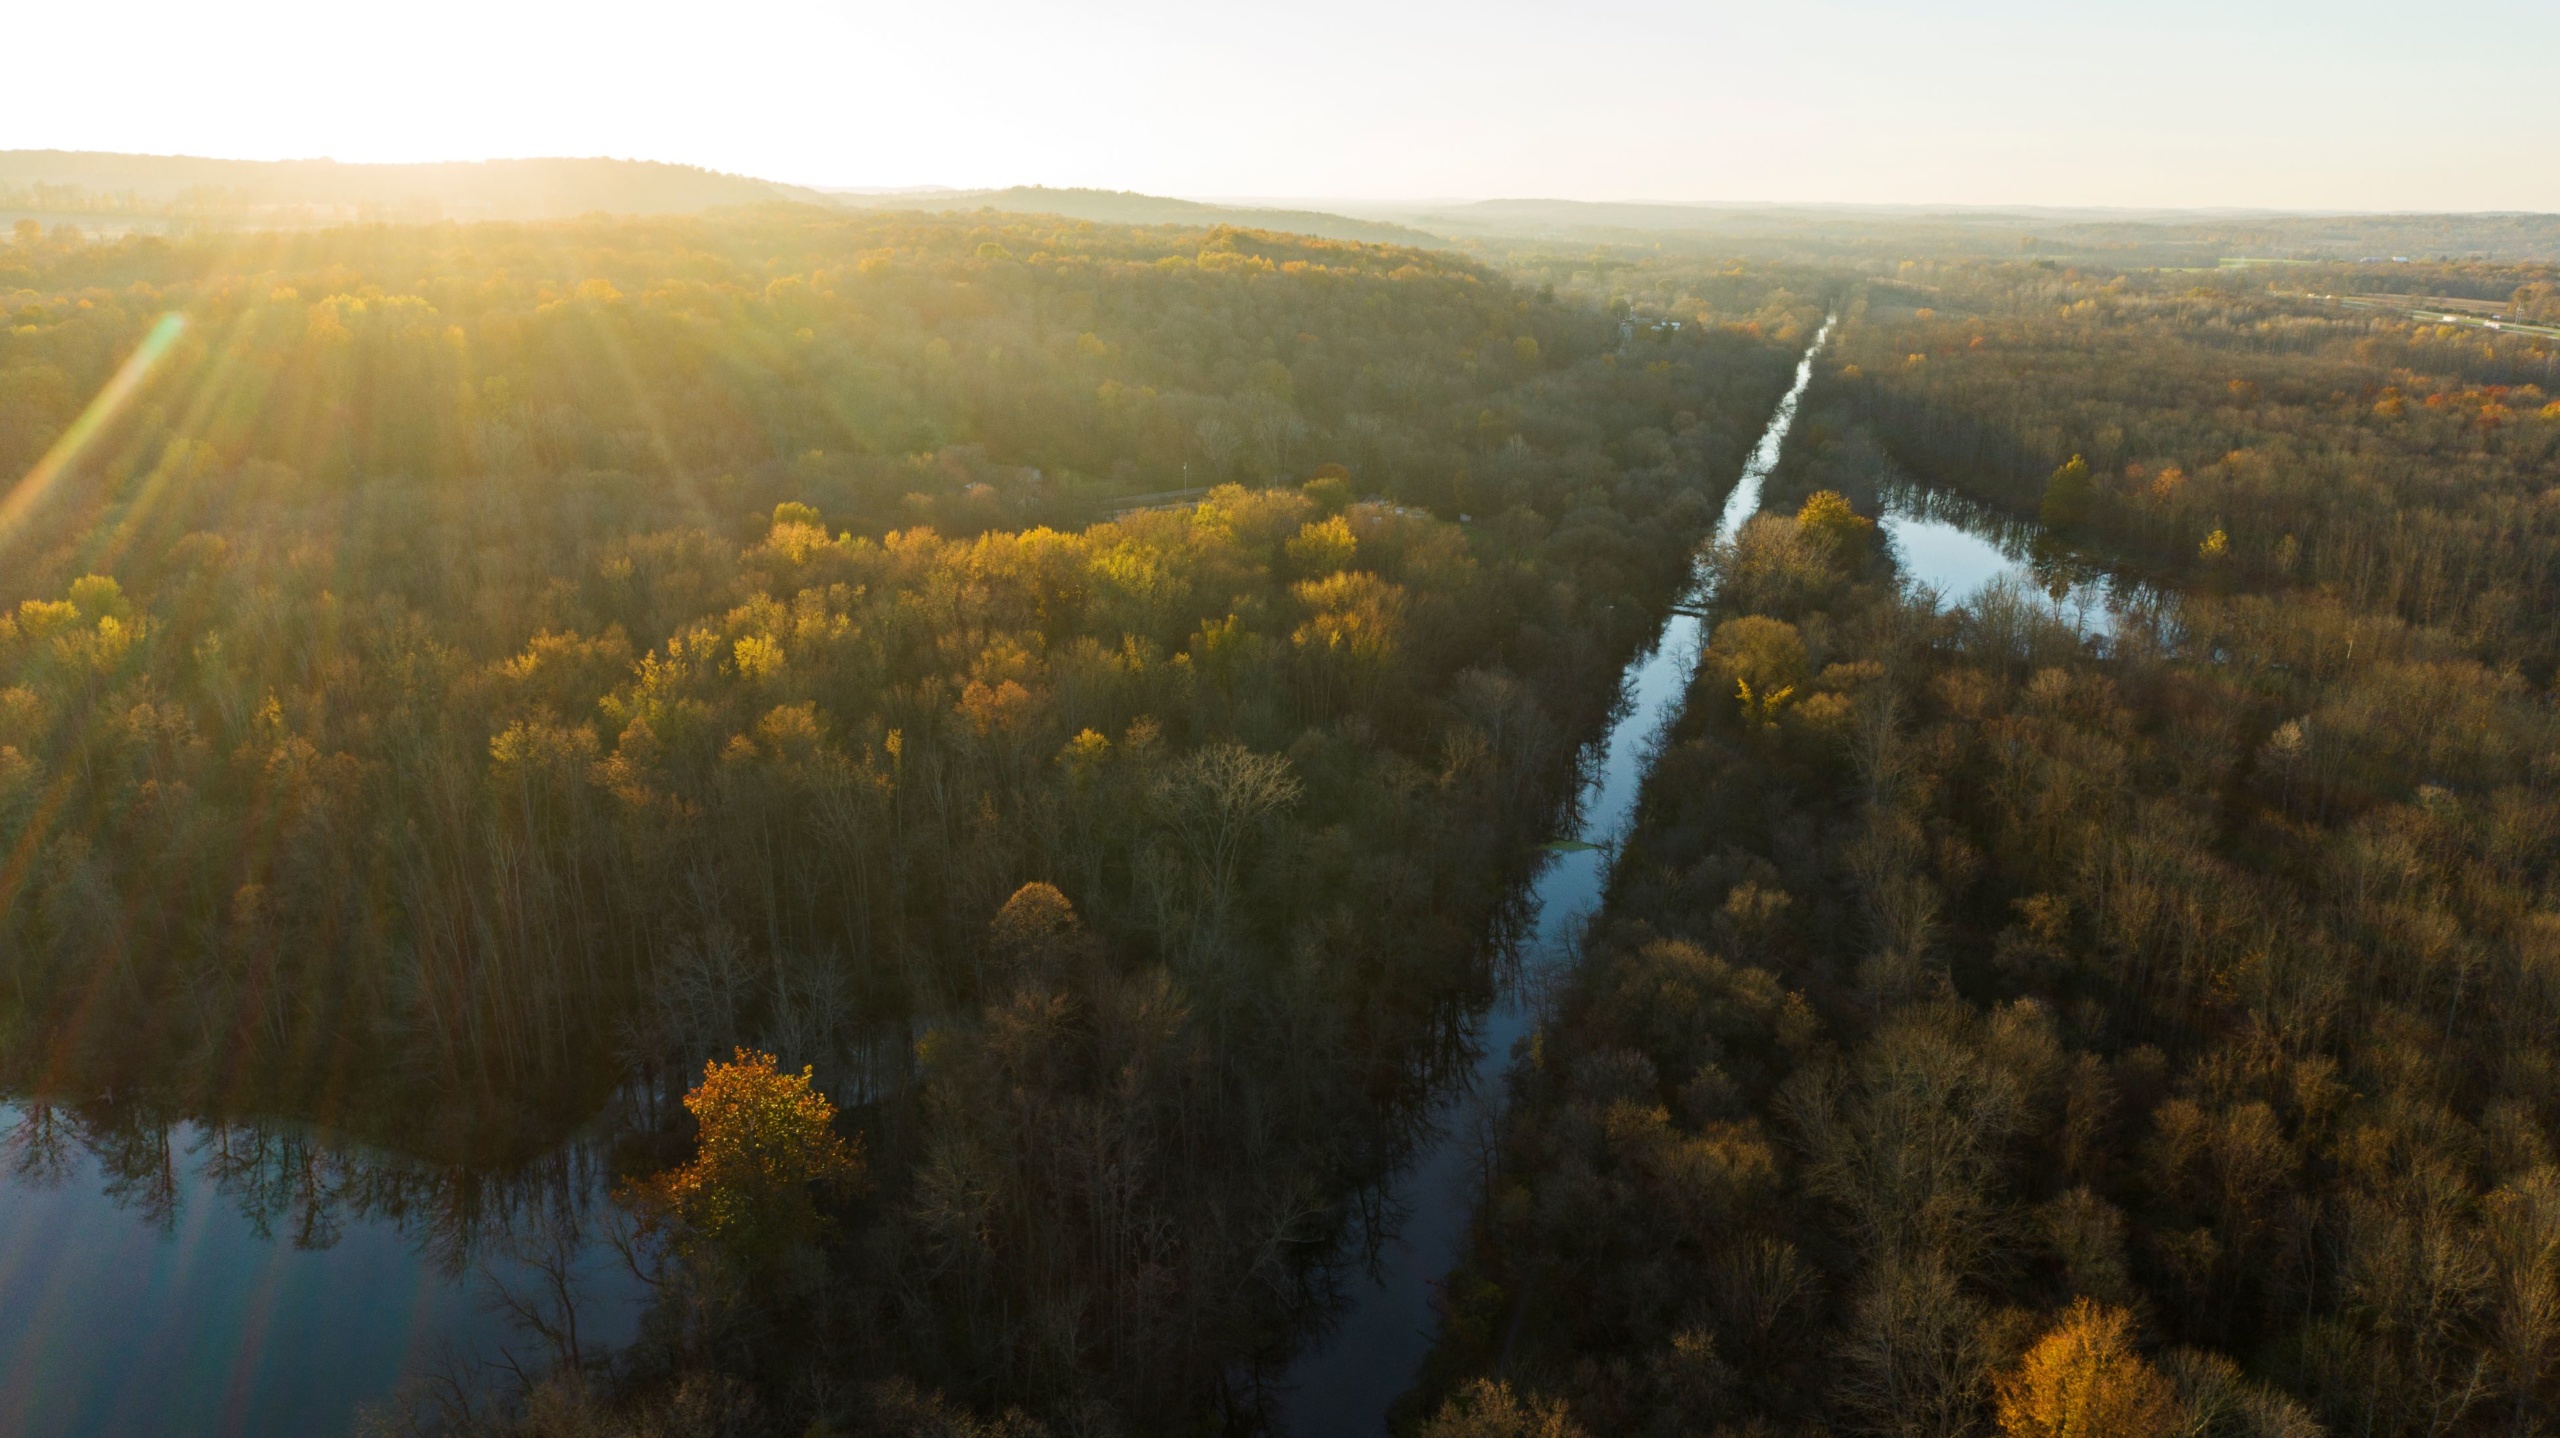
[2436, 316]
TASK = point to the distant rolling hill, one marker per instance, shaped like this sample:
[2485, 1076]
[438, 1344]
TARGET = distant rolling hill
[119, 192]
[2151, 236]
[1124, 207]
[115, 192]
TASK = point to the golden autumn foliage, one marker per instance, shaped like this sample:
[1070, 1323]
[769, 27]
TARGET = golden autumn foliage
[1322, 548]
[2084, 1380]
[767, 1139]
[1826, 514]
[1767, 660]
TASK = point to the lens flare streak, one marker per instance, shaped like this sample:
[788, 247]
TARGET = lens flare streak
[75, 441]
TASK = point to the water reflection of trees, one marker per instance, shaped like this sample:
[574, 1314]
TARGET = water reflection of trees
[294, 1181]
[2047, 573]
[2012, 536]
[1445, 1092]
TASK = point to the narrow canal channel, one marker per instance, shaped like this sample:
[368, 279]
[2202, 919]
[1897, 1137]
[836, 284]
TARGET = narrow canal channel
[1342, 1385]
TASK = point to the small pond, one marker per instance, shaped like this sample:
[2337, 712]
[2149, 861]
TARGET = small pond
[1961, 550]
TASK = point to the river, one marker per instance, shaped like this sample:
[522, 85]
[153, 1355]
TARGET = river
[1341, 1385]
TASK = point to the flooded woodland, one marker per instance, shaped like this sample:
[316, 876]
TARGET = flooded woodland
[793, 821]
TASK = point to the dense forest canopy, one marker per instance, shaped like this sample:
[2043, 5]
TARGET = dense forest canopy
[2003, 1024]
[2404, 462]
[1083, 693]
[1124, 362]
[1002, 751]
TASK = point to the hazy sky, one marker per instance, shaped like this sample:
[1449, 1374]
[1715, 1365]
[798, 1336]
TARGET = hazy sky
[2164, 102]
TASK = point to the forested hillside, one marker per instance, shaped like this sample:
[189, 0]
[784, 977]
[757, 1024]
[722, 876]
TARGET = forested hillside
[1999, 1024]
[465, 672]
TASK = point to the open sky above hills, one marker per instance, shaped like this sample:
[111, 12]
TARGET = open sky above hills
[2265, 103]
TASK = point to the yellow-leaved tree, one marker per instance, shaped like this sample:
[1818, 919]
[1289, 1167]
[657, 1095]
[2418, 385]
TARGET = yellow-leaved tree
[1827, 516]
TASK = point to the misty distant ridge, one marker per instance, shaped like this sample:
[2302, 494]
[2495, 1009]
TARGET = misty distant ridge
[2128, 236]
[178, 187]
[117, 192]
[1127, 207]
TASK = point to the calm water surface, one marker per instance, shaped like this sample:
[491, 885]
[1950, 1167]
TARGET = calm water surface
[1341, 1386]
[1961, 550]
[206, 1281]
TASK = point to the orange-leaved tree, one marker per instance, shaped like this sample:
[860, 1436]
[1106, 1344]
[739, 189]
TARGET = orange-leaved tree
[2084, 1380]
[768, 1139]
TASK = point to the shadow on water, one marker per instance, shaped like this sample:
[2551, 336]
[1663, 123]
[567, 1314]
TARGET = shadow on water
[1341, 1385]
[181, 1276]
